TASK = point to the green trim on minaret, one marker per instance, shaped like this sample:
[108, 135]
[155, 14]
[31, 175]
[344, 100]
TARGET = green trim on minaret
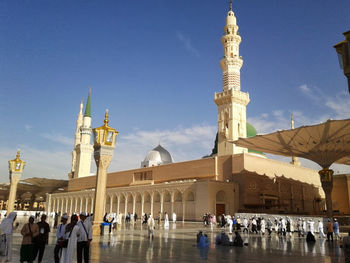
[88, 105]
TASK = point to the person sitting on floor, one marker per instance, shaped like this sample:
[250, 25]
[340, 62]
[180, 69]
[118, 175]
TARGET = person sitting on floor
[203, 242]
[238, 241]
[310, 238]
[199, 235]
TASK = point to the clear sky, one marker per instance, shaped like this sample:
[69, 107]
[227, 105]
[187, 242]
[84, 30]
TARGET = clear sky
[155, 65]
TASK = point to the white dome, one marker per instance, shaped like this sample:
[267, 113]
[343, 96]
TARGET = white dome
[157, 156]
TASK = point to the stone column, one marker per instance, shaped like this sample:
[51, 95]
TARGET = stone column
[126, 205]
[61, 208]
[133, 203]
[92, 206]
[162, 203]
[86, 203]
[66, 205]
[111, 203]
[118, 205]
[103, 157]
[71, 206]
[152, 199]
[76, 206]
[14, 177]
[81, 205]
[183, 209]
[142, 204]
[172, 203]
[48, 205]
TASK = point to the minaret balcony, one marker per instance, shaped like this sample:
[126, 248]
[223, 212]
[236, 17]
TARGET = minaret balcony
[231, 96]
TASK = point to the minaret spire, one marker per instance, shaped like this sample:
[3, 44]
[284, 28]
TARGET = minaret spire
[88, 105]
[230, 5]
[295, 160]
[84, 149]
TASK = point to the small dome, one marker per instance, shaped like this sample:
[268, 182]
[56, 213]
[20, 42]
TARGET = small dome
[157, 156]
[251, 132]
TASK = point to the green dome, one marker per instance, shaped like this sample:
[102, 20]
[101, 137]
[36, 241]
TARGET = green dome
[251, 132]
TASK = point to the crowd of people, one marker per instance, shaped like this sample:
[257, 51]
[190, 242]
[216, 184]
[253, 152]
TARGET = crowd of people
[74, 238]
[283, 226]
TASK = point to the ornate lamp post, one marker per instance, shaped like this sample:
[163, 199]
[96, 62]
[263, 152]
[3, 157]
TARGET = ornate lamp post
[343, 50]
[16, 167]
[104, 144]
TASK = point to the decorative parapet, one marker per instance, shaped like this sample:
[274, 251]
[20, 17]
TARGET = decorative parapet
[231, 96]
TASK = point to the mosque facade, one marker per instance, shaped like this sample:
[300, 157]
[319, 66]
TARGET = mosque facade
[232, 179]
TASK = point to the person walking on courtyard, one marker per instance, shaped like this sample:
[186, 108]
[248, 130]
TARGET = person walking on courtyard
[61, 229]
[55, 220]
[29, 231]
[7, 228]
[320, 229]
[263, 226]
[230, 224]
[245, 225]
[283, 226]
[300, 227]
[269, 226]
[159, 218]
[84, 239]
[150, 226]
[166, 221]
[311, 226]
[239, 224]
[43, 238]
[174, 218]
[71, 234]
[329, 230]
[303, 226]
[336, 229]
[254, 226]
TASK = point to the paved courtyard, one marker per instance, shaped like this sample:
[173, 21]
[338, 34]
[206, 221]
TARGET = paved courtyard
[178, 245]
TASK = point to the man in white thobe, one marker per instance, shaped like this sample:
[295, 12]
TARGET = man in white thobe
[84, 239]
[320, 228]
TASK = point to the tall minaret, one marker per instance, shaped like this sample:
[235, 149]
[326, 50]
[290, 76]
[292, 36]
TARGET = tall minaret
[84, 149]
[77, 137]
[295, 160]
[231, 101]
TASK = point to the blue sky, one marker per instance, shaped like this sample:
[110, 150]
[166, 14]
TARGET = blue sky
[155, 65]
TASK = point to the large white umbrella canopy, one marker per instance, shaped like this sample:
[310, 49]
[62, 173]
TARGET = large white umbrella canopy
[324, 143]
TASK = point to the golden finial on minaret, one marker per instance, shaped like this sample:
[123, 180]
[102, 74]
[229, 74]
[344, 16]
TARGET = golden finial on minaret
[18, 154]
[291, 121]
[230, 5]
[106, 118]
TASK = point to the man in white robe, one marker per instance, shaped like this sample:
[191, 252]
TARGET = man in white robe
[166, 221]
[174, 217]
[150, 226]
[320, 229]
[72, 233]
[7, 230]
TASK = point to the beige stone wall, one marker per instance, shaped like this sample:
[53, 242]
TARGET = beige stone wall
[340, 193]
[259, 193]
[196, 169]
[274, 169]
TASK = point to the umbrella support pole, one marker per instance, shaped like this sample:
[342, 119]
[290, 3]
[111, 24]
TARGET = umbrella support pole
[326, 176]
